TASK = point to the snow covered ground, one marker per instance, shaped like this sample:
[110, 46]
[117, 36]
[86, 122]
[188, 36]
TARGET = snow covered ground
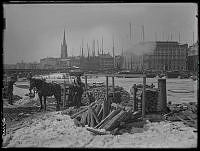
[53, 129]
[126, 83]
[21, 92]
[172, 84]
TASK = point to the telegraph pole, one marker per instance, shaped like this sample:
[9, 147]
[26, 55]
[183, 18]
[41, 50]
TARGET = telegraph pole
[130, 31]
[102, 45]
[143, 33]
[113, 54]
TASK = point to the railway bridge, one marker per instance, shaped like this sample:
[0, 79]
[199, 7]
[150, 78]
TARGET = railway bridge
[24, 72]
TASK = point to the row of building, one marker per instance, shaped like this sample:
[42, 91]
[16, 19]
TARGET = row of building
[165, 56]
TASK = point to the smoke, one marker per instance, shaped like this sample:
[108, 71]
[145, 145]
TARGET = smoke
[140, 49]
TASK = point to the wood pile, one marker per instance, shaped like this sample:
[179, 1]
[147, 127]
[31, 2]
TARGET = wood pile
[151, 105]
[152, 101]
[185, 112]
[98, 94]
[91, 117]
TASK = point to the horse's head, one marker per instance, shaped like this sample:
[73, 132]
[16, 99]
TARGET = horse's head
[36, 83]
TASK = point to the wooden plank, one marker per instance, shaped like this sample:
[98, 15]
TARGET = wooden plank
[118, 118]
[86, 119]
[110, 116]
[105, 102]
[98, 108]
[91, 117]
[192, 125]
[76, 114]
[143, 96]
[95, 116]
[114, 121]
[101, 110]
[83, 119]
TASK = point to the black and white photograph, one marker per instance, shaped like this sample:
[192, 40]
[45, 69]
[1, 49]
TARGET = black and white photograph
[100, 75]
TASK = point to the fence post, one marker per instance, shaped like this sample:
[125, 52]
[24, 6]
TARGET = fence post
[105, 103]
[64, 100]
[162, 96]
[144, 96]
[113, 86]
[86, 82]
[134, 97]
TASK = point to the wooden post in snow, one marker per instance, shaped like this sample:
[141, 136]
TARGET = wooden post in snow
[86, 82]
[162, 96]
[105, 103]
[64, 100]
[134, 97]
[113, 86]
[143, 96]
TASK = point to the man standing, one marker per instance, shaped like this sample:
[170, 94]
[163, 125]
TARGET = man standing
[29, 77]
[79, 91]
[10, 90]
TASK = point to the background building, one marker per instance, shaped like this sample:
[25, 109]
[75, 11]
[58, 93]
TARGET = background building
[193, 58]
[106, 62]
[49, 63]
[166, 56]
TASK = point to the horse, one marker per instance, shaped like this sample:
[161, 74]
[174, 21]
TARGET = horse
[45, 89]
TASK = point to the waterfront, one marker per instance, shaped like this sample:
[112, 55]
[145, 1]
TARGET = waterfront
[171, 84]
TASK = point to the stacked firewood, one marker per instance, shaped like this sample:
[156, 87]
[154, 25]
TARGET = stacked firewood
[151, 100]
[151, 104]
[98, 94]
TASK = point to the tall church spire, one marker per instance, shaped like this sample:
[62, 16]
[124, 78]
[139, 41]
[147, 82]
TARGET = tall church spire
[64, 47]
[64, 41]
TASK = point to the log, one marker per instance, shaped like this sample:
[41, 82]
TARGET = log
[113, 123]
[114, 119]
[83, 119]
[192, 125]
[96, 131]
[88, 118]
[107, 121]
[100, 112]
[95, 116]
[91, 117]
[98, 108]
[110, 116]
[76, 114]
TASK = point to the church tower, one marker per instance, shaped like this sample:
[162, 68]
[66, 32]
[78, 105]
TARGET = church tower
[64, 48]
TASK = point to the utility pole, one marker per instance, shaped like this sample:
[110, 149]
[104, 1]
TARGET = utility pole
[143, 33]
[163, 36]
[94, 47]
[98, 46]
[102, 45]
[155, 36]
[82, 47]
[179, 37]
[130, 30]
[171, 36]
[113, 55]
[88, 51]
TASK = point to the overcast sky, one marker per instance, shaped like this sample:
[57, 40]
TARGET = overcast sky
[35, 31]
